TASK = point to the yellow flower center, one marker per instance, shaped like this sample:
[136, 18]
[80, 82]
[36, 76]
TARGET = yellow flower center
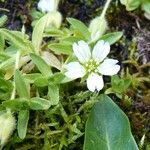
[91, 66]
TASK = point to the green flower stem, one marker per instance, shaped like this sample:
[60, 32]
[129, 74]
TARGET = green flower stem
[105, 8]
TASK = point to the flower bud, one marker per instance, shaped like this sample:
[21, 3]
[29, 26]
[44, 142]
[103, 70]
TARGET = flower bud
[97, 27]
[54, 19]
[48, 5]
[7, 125]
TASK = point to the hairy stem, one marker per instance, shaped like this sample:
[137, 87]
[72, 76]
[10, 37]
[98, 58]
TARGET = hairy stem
[105, 8]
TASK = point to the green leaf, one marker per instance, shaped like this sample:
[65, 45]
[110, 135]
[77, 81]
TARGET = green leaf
[41, 82]
[23, 118]
[17, 104]
[35, 14]
[11, 50]
[3, 19]
[111, 37]
[51, 60]
[2, 43]
[61, 48]
[80, 27]
[59, 78]
[21, 85]
[37, 103]
[146, 6]
[32, 77]
[43, 67]
[3, 57]
[70, 40]
[54, 32]
[108, 128]
[117, 82]
[18, 39]
[57, 33]
[5, 89]
[53, 93]
[38, 30]
[7, 63]
[131, 4]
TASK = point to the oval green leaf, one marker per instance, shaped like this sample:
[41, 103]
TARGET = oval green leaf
[53, 93]
[80, 27]
[23, 118]
[61, 48]
[108, 128]
[37, 103]
[41, 82]
[111, 38]
[3, 19]
[43, 67]
[38, 31]
[17, 104]
[21, 85]
[131, 4]
[18, 39]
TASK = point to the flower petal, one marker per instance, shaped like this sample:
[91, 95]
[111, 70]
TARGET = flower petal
[100, 51]
[82, 51]
[48, 5]
[109, 67]
[95, 82]
[74, 70]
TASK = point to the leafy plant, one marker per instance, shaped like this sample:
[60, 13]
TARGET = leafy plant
[33, 78]
[134, 4]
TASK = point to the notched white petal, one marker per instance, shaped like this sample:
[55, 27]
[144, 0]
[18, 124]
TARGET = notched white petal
[100, 51]
[74, 70]
[95, 82]
[82, 51]
[109, 67]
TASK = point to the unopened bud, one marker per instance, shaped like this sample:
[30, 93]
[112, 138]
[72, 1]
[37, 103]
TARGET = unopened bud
[7, 125]
[97, 27]
[54, 19]
[48, 5]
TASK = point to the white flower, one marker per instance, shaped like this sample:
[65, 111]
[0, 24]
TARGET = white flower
[92, 64]
[48, 5]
